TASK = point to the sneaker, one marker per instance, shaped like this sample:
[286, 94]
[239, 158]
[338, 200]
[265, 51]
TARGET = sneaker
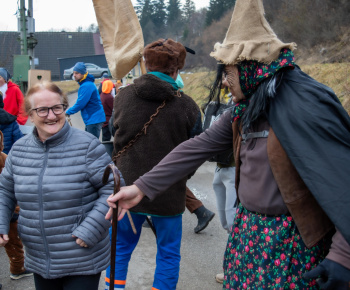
[21, 275]
[220, 278]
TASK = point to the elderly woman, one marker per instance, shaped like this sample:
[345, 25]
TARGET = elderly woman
[55, 176]
[291, 140]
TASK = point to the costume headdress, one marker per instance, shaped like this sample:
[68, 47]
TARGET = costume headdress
[249, 36]
[251, 44]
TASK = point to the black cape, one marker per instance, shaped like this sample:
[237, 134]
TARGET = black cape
[314, 130]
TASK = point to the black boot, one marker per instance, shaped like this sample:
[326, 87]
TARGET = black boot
[204, 216]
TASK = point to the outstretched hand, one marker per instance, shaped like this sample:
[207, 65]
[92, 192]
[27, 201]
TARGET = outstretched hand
[330, 275]
[128, 197]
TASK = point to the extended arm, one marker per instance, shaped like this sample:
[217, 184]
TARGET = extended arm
[84, 95]
[181, 161]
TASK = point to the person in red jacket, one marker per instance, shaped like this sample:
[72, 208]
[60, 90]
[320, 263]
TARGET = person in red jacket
[13, 97]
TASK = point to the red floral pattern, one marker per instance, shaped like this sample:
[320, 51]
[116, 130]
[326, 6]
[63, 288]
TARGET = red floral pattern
[252, 73]
[265, 252]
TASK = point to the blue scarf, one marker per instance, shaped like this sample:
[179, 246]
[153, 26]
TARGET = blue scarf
[166, 78]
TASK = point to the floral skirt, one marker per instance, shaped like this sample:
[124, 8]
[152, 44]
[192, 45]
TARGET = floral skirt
[267, 252]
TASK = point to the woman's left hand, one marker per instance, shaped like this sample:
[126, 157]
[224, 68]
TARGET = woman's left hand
[80, 242]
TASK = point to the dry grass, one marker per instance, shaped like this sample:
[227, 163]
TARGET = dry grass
[71, 86]
[334, 75]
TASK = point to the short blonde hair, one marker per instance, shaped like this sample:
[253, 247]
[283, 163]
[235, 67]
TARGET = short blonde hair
[45, 85]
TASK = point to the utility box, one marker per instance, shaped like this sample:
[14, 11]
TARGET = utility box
[37, 75]
[21, 66]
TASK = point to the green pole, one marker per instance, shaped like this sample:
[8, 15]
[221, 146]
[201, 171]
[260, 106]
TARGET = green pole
[24, 48]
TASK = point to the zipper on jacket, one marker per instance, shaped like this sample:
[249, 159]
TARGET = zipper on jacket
[41, 210]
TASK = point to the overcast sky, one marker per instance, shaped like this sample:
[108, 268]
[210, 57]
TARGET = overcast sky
[58, 15]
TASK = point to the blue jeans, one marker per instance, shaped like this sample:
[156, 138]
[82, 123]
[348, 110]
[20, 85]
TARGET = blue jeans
[94, 129]
[169, 232]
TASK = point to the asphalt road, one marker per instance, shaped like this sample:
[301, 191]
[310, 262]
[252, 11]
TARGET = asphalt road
[201, 254]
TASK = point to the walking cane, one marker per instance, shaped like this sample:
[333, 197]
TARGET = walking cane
[116, 177]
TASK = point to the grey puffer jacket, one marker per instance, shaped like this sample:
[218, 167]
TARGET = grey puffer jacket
[58, 186]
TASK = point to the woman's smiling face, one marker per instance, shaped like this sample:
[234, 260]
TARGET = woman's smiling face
[52, 123]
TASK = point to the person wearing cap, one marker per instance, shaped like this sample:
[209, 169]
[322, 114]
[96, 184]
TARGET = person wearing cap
[291, 140]
[88, 102]
[155, 106]
[107, 103]
[12, 96]
[118, 85]
[105, 77]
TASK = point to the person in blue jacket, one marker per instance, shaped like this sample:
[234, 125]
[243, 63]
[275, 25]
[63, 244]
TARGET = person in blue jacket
[9, 127]
[88, 102]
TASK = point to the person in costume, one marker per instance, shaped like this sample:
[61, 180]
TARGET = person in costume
[291, 140]
[153, 99]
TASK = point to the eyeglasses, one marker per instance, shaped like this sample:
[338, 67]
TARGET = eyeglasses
[44, 111]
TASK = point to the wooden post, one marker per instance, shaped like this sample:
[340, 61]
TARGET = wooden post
[143, 66]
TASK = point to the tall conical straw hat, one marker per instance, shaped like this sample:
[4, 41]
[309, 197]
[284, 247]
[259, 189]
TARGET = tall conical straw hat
[249, 36]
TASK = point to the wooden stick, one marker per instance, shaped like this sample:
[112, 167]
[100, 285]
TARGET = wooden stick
[143, 66]
[116, 177]
[131, 222]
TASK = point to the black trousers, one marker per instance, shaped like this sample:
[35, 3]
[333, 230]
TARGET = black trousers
[106, 134]
[82, 282]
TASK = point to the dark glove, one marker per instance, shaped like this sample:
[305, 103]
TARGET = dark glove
[332, 275]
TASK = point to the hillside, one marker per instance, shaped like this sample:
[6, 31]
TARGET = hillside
[334, 75]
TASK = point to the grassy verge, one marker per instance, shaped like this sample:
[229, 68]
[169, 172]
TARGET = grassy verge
[334, 75]
[71, 86]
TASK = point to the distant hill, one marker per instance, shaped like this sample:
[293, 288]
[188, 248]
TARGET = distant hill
[334, 75]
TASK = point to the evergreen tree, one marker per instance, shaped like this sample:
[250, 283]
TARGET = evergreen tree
[217, 8]
[188, 10]
[139, 7]
[144, 10]
[159, 17]
[174, 19]
[146, 14]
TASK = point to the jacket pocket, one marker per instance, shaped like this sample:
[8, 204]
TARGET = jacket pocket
[78, 220]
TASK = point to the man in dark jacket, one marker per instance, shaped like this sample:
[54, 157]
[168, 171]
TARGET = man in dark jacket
[164, 116]
[88, 101]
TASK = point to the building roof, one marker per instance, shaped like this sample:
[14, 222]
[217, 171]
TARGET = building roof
[50, 47]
